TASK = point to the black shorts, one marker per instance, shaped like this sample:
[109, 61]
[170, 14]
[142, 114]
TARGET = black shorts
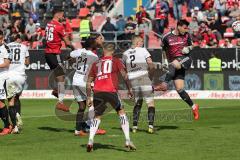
[55, 63]
[186, 62]
[100, 100]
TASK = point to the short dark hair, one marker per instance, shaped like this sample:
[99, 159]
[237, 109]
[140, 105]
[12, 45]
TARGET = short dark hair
[182, 22]
[109, 46]
[130, 18]
[57, 10]
[95, 35]
[88, 43]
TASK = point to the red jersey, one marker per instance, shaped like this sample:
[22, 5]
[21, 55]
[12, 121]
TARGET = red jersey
[54, 34]
[105, 72]
[173, 44]
[5, 6]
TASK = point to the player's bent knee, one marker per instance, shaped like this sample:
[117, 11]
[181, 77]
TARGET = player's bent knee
[176, 64]
[121, 112]
[150, 103]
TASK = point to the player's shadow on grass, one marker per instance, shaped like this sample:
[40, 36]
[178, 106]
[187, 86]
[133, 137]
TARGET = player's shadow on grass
[56, 129]
[156, 128]
[105, 146]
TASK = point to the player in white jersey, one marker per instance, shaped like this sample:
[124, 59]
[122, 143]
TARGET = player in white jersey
[16, 80]
[84, 59]
[140, 67]
[5, 60]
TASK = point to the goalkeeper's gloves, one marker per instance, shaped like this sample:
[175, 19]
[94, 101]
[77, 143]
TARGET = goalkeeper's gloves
[186, 50]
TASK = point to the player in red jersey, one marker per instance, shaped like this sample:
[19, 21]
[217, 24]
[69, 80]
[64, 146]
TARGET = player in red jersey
[177, 45]
[104, 73]
[55, 33]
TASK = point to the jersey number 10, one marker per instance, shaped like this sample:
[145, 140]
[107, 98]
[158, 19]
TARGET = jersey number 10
[104, 67]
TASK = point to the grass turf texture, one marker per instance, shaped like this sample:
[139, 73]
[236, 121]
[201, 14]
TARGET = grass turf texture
[214, 136]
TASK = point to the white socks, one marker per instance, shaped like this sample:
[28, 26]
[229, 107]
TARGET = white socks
[125, 126]
[93, 129]
[194, 107]
[61, 91]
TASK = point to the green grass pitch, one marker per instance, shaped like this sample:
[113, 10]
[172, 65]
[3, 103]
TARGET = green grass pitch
[216, 136]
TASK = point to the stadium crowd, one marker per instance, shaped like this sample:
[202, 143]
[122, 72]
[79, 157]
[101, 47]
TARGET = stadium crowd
[210, 20]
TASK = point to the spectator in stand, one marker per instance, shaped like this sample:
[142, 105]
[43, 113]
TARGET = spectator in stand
[203, 27]
[31, 31]
[193, 25]
[210, 39]
[220, 6]
[108, 27]
[226, 44]
[192, 4]
[18, 27]
[207, 4]
[98, 6]
[79, 4]
[196, 37]
[234, 13]
[161, 15]
[4, 11]
[197, 13]
[177, 9]
[16, 9]
[47, 4]
[211, 14]
[215, 24]
[120, 24]
[130, 28]
[28, 9]
[141, 14]
[39, 32]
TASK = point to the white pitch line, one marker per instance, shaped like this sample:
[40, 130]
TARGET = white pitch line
[113, 112]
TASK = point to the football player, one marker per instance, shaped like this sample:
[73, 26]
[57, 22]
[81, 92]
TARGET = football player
[16, 80]
[139, 67]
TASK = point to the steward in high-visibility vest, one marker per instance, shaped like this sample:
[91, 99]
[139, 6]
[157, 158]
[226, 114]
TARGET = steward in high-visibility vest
[85, 27]
[215, 64]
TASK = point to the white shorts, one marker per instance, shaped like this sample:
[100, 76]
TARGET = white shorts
[15, 85]
[79, 93]
[2, 89]
[142, 89]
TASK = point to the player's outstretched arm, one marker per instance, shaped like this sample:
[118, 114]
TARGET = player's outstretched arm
[27, 61]
[68, 43]
[5, 64]
[89, 90]
[151, 68]
[127, 82]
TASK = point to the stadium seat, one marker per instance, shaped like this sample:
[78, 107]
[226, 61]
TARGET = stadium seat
[75, 23]
[229, 33]
[221, 42]
[90, 2]
[83, 12]
[234, 42]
